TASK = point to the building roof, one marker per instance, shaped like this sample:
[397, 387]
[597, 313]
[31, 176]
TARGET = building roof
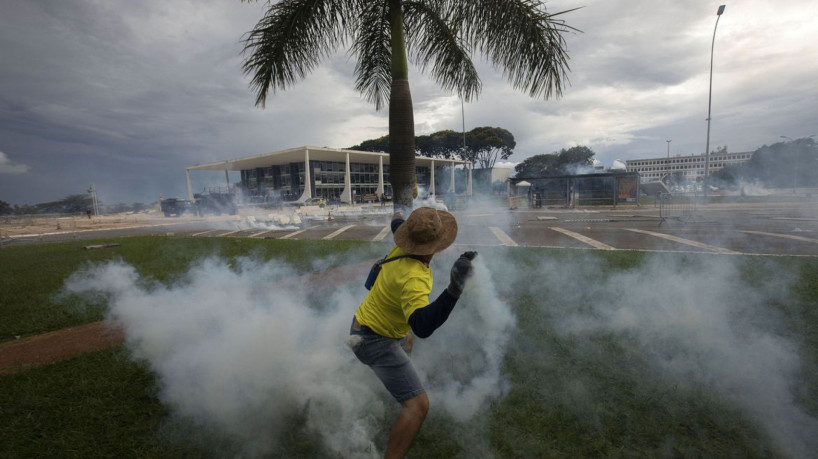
[294, 155]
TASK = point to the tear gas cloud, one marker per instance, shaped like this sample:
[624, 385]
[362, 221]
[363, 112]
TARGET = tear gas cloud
[242, 346]
[242, 349]
[695, 322]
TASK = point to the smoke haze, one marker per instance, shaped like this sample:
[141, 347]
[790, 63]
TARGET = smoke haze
[244, 346]
[695, 321]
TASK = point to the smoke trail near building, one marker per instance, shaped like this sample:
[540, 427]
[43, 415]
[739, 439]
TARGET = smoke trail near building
[244, 346]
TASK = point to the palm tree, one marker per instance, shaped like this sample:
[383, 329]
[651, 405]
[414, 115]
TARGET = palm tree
[517, 36]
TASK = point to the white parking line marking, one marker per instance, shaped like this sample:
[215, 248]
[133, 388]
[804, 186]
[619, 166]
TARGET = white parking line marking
[287, 236]
[503, 237]
[680, 240]
[592, 242]
[62, 233]
[786, 236]
[333, 235]
[229, 232]
[260, 233]
[204, 232]
[382, 235]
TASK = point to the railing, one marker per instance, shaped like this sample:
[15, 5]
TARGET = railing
[681, 209]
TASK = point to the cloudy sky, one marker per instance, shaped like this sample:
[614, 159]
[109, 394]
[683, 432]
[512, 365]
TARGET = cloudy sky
[126, 94]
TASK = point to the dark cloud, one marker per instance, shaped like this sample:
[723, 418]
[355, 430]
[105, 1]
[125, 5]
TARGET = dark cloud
[128, 94]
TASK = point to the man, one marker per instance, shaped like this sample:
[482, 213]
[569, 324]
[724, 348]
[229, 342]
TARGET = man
[398, 306]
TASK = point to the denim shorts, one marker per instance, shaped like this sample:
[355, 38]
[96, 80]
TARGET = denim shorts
[389, 361]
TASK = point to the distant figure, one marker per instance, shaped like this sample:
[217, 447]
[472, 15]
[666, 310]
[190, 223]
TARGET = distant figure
[88, 212]
[383, 199]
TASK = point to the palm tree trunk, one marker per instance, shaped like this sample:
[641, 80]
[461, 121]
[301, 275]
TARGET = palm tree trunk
[401, 117]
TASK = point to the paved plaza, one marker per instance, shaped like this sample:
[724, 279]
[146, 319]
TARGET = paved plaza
[758, 229]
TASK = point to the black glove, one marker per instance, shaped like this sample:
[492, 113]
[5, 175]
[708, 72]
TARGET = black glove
[461, 270]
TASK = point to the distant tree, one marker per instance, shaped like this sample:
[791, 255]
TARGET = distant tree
[441, 144]
[139, 206]
[381, 145]
[5, 208]
[729, 175]
[537, 165]
[782, 164]
[485, 144]
[25, 209]
[565, 162]
[117, 208]
[575, 158]
[70, 204]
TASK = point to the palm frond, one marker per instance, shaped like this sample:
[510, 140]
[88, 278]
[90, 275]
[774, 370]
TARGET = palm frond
[371, 45]
[291, 39]
[522, 39]
[432, 40]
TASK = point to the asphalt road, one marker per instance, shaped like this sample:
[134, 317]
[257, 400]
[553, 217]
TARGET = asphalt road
[769, 229]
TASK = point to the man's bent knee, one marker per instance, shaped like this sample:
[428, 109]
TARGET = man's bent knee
[418, 405]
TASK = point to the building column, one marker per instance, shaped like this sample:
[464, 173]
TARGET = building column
[468, 184]
[189, 187]
[432, 179]
[451, 182]
[307, 194]
[380, 190]
[346, 195]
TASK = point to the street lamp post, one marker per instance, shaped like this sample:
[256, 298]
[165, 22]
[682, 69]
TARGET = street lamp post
[668, 148]
[709, 100]
[795, 163]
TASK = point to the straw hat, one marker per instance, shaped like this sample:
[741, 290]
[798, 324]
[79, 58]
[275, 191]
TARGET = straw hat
[426, 231]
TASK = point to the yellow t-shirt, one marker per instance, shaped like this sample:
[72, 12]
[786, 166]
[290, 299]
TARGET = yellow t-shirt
[402, 287]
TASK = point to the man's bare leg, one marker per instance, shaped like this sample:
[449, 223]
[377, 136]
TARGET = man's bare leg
[406, 427]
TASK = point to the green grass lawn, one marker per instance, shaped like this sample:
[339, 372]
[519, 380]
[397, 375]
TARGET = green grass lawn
[31, 275]
[577, 388]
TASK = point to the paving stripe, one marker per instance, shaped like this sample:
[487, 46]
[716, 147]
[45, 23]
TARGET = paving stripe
[18, 236]
[287, 236]
[382, 235]
[260, 233]
[203, 232]
[592, 242]
[230, 232]
[787, 236]
[333, 235]
[503, 237]
[800, 219]
[680, 240]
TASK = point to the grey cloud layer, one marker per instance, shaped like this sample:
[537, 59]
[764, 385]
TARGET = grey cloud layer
[118, 91]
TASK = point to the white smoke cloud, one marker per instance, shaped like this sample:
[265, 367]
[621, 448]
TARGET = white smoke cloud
[243, 346]
[697, 323]
[467, 372]
[7, 166]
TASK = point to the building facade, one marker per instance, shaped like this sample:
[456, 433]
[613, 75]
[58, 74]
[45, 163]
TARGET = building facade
[303, 173]
[690, 167]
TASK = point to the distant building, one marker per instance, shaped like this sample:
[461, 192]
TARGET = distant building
[606, 188]
[692, 167]
[298, 174]
[501, 172]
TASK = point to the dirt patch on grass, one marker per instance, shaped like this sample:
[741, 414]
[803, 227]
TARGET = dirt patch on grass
[52, 347]
[57, 345]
